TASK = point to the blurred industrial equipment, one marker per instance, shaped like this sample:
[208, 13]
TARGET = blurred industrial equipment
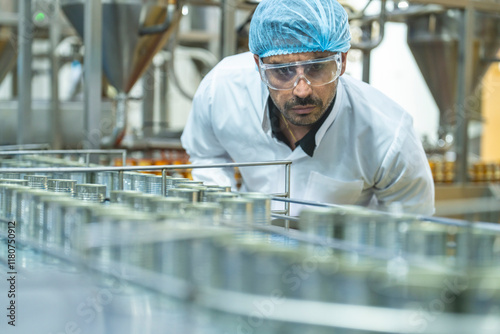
[134, 32]
[147, 262]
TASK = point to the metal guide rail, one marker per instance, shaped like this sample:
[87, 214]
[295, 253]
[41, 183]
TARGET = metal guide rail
[25, 147]
[84, 152]
[162, 168]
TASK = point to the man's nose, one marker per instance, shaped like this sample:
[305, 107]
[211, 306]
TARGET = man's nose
[302, 87]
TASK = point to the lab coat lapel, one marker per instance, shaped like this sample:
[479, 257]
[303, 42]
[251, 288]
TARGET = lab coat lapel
[266, 122]
[333, 115]
[297, 154]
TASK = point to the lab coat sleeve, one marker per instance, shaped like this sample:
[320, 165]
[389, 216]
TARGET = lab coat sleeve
[404, 176]
[200, 140]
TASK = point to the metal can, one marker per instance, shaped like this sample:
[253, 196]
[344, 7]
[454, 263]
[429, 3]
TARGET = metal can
[192, 195]
[203, 213]
[261, 204]
[91, 192]
[7, 200]
[168, 206]
[37, 181]
[154, 184]
[52, 225]
[216, 196]
[24, 214]
[477, 247]
[236, 210]
[62, 186]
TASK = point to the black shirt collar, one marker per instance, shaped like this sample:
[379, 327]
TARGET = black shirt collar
[308, 142]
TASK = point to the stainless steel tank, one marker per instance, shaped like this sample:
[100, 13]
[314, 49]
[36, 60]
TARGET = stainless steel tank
[434, 41]
[8, 44]
[126, 50]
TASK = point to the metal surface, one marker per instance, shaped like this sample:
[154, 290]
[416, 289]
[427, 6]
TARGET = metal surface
[148, 89]
[24, 70]
[61, 186]
[469, 70]
[228, 30]
[54, 40]
[24, 147]
[92, 36]
[90, 192]
[118, 130]
[164, 108]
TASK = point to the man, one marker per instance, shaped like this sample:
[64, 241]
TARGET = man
[289, 100]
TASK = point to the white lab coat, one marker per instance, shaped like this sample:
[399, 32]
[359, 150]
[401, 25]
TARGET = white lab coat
[366, 148]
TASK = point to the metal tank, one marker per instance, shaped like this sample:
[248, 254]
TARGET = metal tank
[127, 47]
[132, 32]
[434, 42]
[8, 45]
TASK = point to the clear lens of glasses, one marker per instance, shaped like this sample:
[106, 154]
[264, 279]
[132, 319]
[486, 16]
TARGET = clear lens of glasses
[317, 72]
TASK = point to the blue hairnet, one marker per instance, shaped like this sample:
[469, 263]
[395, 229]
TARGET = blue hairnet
[293, 26]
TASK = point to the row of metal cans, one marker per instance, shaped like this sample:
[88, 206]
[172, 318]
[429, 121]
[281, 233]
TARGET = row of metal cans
[389, 235]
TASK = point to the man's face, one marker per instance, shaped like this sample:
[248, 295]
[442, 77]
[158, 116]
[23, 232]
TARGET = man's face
[303, 105]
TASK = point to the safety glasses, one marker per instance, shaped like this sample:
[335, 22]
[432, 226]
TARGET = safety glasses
[316, 72]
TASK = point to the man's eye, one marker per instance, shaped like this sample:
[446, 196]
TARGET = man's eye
[316, 67]
[284, 72]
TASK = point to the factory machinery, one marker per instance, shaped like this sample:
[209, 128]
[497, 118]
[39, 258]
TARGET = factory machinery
[122, 44]
[118, 250]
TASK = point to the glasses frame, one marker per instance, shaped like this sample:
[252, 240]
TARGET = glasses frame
[337, 57]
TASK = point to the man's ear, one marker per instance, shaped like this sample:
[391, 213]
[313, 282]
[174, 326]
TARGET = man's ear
[256, 59]
[344, 62]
